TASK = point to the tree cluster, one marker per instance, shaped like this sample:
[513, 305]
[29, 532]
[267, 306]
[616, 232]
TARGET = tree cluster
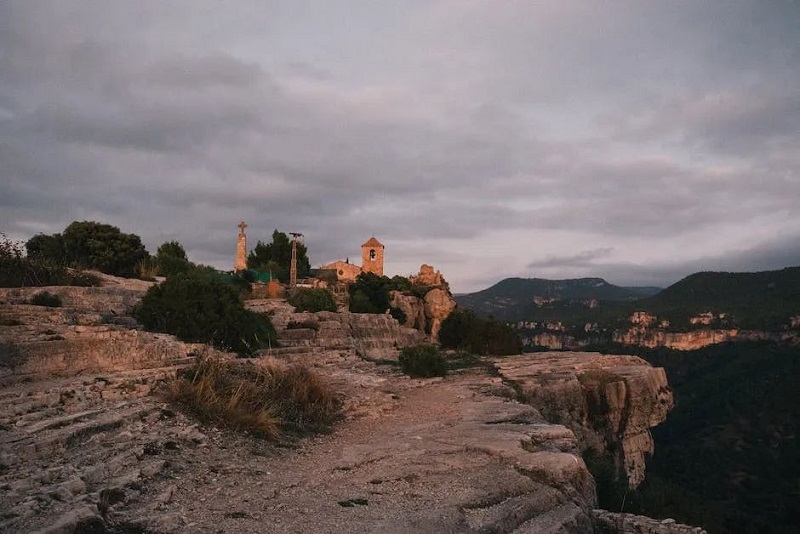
[370, 293]
[276, 257]
[19, 270]
[90, 245]
[463, 330]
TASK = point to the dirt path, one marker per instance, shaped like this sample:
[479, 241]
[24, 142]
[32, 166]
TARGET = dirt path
[446, 457]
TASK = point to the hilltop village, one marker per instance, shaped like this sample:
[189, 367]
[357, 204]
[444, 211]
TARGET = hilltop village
[423, 300]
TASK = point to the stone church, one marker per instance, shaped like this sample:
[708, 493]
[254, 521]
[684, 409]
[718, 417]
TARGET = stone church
[371, 262]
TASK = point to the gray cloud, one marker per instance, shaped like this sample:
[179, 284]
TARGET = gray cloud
[584, 258]
[443, 128]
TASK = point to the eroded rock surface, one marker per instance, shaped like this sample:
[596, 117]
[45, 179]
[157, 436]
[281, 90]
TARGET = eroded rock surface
[611, 402]
[98, 451]
[373, 336]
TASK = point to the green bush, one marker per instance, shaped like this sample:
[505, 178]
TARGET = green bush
[46, 298]
[423, 361]
[312, 300]
[205, 308]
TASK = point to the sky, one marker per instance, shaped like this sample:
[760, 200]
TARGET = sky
[638, 141]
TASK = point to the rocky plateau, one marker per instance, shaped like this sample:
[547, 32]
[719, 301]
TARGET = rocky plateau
[88, 444]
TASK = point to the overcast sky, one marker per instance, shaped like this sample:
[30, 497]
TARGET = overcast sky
[637, 141]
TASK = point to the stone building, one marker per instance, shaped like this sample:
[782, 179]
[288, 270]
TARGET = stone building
[345, 271]
[371, 262]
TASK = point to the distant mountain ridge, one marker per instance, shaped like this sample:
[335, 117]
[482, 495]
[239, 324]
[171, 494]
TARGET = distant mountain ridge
[511, 299]
[704, 308]
[762, 299]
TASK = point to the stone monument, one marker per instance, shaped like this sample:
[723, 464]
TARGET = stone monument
[241, 249]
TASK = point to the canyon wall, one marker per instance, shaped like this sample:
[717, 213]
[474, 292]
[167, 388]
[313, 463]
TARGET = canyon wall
[610, 402]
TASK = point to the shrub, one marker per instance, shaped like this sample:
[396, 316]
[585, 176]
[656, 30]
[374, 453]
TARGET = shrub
[312, 300]
[205, 308]
[82, 279]
[423, 361]
[266, 399]
[147, 270]
[46, 298]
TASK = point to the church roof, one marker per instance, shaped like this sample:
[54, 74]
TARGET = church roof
[372, 242]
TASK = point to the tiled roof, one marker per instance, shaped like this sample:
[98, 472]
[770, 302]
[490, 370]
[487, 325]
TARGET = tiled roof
[372, 242]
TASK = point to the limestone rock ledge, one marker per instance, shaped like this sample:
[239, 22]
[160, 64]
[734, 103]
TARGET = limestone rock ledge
[610, 402]
[606, 522]
[373, 336]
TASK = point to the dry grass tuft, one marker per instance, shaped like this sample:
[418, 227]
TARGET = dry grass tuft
[269, 399]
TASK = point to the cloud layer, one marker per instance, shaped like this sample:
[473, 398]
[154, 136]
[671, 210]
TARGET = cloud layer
[632, 140]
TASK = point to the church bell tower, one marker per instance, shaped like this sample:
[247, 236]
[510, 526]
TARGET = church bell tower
[372, 257]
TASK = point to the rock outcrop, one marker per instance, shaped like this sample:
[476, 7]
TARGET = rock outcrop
[697, 339]
[426, 308]
[428, 277]
[373, 336]
[610, 402]
[438, 305]
[425, 313]
[413, 307]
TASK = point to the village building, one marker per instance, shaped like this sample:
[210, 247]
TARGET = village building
[371, 262]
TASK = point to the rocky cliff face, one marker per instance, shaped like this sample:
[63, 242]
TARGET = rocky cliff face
[610, 402]
[697, 339]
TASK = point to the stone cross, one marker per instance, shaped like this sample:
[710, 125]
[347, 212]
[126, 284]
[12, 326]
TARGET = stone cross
[241, 249]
